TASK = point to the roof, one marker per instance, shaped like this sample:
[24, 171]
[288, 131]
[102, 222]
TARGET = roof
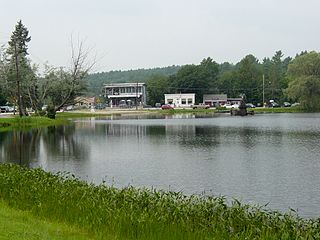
[111, 85]
[85, 99]
[215, 97]
[179, 94]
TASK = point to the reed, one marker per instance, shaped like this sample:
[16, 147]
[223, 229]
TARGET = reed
[140, 213]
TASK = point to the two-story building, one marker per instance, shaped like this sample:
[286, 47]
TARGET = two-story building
[125, 94]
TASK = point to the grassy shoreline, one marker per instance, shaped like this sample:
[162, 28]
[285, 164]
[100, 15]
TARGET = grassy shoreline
[9, 123]
[132, 213]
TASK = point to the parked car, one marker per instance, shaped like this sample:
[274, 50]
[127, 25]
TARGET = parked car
[201, 106]
[166, 106]
[4, 109]
[157, 105]
[273, 105]
[250, 105]
[295, 104]
[287, 104]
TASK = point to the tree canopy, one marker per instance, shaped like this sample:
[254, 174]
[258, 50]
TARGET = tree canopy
[304, 80]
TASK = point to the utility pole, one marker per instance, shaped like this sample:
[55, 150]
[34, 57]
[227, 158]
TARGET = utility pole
[263, 90]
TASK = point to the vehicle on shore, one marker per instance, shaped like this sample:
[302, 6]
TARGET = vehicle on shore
[286, 104]
[166, 107]
[250, 105]
[295, 104]
[200, 106]
[6, 109]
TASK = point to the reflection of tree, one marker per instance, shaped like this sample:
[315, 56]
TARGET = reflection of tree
[63, 141]
[156, 131]
[203, 136]
[24, 147]
[20, 147]
[124, 130]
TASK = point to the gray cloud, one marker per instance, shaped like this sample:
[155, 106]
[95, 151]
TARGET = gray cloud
[130, 34]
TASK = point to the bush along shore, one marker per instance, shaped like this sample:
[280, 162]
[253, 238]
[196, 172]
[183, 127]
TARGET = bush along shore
[132, 213]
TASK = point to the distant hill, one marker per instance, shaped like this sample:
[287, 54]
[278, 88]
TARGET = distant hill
[95, 81]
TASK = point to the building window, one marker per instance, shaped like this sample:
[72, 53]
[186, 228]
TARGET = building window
[189, 100]
[183, 101]
[170, 101]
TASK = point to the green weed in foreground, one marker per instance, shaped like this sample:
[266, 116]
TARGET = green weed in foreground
[131, 213]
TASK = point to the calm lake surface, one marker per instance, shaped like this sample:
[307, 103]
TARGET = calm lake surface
[266, 158]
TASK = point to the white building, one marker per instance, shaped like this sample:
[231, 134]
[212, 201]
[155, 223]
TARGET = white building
[180, 99]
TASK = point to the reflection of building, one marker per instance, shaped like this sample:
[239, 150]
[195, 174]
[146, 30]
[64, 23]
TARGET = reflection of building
[216, 100]
[180, 99]
[86, 102]
[125, 94]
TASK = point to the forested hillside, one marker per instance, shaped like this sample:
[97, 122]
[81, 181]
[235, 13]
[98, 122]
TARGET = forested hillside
[96, 80]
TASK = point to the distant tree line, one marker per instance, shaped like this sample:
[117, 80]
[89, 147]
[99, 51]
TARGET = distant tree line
[277, 78]
[22, 86]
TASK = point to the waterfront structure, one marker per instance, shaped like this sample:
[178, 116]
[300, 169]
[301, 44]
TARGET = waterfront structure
[85, 102]
[216, 100]
[180, 99]
[125, 94]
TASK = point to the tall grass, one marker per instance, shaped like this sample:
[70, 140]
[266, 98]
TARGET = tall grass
[132, 213]
[279, 110]
[28, 122]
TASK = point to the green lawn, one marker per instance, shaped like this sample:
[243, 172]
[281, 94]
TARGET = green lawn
[16, 224]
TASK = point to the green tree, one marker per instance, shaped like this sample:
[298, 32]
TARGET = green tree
[198, 79]
[157, 86]
[248, 80]
[274, 70]
[61, 86]
[19, 65]
[226, 84]
[304, 80]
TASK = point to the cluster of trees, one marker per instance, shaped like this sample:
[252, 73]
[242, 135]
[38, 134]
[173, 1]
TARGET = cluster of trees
[21, 84]
[277, 78]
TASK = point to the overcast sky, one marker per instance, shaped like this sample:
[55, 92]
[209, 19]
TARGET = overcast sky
[131, 34]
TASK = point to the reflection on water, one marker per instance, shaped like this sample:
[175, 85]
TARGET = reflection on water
[29, 148]
[272, 158]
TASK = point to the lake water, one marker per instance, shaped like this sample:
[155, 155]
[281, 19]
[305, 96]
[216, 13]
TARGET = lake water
[266, 158]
